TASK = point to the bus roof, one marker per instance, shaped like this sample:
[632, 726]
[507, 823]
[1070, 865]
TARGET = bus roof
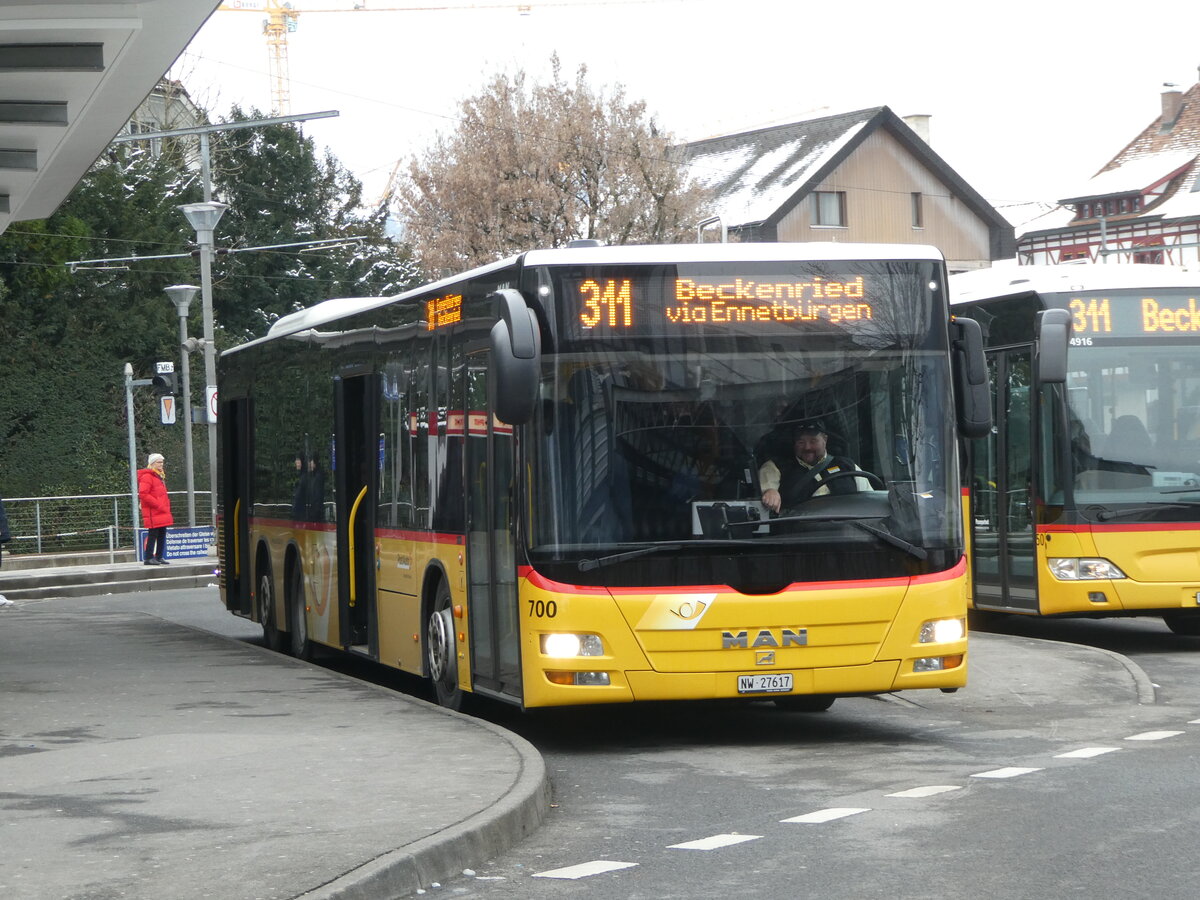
[313, 317]
[1008, 281]
[649, 254]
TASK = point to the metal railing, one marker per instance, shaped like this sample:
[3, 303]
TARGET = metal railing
[83, 522]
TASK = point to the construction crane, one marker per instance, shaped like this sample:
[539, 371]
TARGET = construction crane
[283, 18]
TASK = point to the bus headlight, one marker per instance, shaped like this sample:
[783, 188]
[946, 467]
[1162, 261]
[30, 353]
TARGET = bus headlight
[943, 631]
[1083, 569]
[569, 646]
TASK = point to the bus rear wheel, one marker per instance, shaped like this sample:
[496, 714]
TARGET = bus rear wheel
[441, 653]
[805, 702]
[1183, 623]
[272, 636]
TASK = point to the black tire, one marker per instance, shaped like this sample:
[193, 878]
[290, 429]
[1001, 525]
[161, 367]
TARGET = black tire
[1183, 623]
[272, 636]
[298, 643]
[806, 703]
[441, 651]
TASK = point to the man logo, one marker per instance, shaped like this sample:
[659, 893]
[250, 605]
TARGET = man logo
[765, 638]
[765, 658]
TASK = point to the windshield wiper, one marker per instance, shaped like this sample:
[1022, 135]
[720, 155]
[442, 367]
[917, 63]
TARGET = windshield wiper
[1105, 514]
[587, 565]
[888, 538]
[857, 521]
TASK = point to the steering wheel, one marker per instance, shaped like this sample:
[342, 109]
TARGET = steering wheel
[848, 473]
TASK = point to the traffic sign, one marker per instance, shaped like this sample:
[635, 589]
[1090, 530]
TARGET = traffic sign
[210, 403]
[166, 409]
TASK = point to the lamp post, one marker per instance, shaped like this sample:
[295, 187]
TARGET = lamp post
[204, 217]
[181, 295]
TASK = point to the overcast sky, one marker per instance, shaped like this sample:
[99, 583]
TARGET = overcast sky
[1028, 99]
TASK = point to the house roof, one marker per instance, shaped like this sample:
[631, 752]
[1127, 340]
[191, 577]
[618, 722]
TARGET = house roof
[71, 74]
[1160, 151]
[759, 176]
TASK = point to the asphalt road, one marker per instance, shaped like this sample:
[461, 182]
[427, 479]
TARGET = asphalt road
[920, 796]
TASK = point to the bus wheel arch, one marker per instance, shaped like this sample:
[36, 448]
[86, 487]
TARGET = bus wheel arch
[264, 579]
[441, 645]
[296, 602]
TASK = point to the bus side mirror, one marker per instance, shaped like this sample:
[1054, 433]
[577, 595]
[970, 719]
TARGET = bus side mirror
[516, 359]
[1053, 332]
[972, 399]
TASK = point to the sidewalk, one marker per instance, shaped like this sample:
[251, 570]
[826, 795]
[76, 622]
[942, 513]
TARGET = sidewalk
[143, 759]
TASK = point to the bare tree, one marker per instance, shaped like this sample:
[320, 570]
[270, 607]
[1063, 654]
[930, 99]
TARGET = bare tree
[539, 165]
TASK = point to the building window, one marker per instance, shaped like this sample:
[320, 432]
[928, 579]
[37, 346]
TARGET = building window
[829, 208]
[918, 213]
[1074, 254]
[1149, 250]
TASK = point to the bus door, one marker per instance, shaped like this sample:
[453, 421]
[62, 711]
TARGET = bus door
[1004, 558]
[237, 466]
[356, 457]
[491, 541]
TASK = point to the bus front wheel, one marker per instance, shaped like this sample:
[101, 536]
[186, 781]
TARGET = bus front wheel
[441, 651]
[1183, 623]
[805, 702]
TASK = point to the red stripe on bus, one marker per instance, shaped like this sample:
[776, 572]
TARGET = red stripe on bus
[432, 537]
[293, 524]
[541, 581]
[1088, 528]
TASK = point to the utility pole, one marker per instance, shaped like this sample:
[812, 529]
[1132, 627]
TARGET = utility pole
[203, 217]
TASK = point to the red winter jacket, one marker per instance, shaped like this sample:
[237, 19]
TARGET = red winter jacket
[156, 505]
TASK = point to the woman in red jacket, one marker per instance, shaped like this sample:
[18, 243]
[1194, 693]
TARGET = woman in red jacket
[156, 509]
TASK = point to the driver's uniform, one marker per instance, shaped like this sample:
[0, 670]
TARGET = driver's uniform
[772, 475]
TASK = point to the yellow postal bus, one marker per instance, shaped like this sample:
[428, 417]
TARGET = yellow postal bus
[538, 481]
[1086, 495]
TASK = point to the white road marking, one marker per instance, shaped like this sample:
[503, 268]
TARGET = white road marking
[716, 841]
[927, 791]
[826, 815]
[1086, 752]
[1194, 722]
[1153, 735]
[583, 870]
[1007, 772]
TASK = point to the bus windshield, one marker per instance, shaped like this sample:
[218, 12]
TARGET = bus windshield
[664, 402]
[1134, 425]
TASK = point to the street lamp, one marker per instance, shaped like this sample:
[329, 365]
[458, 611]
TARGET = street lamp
[204, 217]
[181, 295]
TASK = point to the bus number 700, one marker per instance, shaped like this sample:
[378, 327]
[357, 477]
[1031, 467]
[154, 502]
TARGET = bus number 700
[543, 609]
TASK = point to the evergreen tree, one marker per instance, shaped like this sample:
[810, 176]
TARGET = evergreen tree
[281, 192]
[66, 332]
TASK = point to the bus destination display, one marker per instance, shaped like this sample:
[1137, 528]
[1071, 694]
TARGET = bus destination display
[618, 304]
[1132, 314]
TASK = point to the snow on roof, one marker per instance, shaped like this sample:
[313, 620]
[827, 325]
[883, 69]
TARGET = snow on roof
[756, 172]
[1134, 174]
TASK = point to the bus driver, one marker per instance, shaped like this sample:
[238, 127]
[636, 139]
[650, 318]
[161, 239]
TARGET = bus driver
[786, 483]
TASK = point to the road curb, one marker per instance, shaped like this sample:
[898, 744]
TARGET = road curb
[471, 842]
[1143, 686]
